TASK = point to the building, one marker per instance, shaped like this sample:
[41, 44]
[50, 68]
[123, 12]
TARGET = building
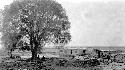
[70, 52]
[63, 52]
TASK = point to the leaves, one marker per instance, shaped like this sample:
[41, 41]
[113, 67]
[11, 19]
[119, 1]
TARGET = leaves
[44, 21]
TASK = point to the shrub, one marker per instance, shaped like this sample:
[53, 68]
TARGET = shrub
[62, 62]
[86, 63]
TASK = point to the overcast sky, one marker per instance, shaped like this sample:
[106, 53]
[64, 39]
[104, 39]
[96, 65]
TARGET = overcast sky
[94, 22]
[97, 23]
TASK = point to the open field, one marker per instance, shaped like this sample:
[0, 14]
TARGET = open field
[31, 66]
[51, 65]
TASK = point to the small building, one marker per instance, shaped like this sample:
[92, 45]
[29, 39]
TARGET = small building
[50, 50]
[68, 52]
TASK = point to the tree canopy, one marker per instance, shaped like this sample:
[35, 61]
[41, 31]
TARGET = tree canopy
[42, 21]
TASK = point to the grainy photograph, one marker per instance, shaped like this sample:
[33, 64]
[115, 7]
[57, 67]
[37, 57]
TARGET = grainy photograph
[62, 35]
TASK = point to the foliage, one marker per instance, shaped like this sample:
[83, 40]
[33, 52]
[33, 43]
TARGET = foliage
[42, 21]
[86, 63]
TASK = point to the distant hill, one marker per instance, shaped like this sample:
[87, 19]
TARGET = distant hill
[111, 48]
[99, 47]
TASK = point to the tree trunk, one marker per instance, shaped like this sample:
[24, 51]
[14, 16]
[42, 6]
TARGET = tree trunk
[34, 50]
[10, 53]
[34, 46]
[34, 53]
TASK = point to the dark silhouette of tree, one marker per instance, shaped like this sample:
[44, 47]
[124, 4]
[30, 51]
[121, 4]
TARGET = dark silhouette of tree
[43, 21]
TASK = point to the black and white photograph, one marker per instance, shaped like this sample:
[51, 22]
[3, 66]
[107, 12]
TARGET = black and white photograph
[62, 35]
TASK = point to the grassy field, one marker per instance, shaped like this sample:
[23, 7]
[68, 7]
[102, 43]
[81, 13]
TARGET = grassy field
[52, 65]
[27, 66]
[45, 65]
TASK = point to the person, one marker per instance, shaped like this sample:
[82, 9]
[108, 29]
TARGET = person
[43, 58]
[38, 56]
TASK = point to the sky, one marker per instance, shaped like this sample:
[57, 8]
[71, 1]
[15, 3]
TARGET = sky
[94, 22]
[97, 23]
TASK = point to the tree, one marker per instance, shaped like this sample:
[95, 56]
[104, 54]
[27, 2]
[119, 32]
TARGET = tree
[42, 21]
[10, 36]
[10, 40]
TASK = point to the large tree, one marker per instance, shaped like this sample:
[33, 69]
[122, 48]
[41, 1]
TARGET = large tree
[41, 21]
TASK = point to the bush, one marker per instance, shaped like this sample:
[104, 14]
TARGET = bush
[86, 63]
[62, 62]
[93, 62]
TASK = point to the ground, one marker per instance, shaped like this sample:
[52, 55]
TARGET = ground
[26, 66]
[45, 65]
[51, 65]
